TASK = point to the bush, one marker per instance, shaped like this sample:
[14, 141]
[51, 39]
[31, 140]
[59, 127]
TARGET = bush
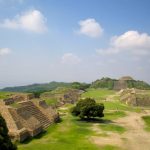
[88, 108]
[5, 141]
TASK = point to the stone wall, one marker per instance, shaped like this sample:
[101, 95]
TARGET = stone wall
[135, 97]
[28, 119]
[120, 84]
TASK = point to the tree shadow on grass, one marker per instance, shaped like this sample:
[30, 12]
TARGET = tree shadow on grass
[39, 136]
[95, 120]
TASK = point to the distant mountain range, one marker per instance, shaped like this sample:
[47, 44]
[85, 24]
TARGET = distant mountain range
[112, 84]
[46, 87]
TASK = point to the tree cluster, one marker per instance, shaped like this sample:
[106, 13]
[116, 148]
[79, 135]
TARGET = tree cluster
[5, 141]
[88, 108]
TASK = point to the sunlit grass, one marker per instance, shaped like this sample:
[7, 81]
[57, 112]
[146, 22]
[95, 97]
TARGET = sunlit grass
[98, 94]
[147, 122]
[112, 128]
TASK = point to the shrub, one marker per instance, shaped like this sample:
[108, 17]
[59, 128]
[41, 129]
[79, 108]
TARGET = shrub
[88, 108]
[5, 141]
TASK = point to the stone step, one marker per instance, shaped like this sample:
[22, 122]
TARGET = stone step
[34, 110]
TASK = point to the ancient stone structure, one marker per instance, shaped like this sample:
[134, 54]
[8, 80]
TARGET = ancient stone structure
[63, 96]
[135, 97]
[26, 117]
[122, 83]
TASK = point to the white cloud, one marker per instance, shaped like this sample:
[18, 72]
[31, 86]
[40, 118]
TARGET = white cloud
[4, 51]
[70, 58]
[131, 41]
[31, 21]
[90, 27]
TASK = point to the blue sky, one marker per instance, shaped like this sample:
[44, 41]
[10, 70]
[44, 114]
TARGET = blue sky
[73, 40]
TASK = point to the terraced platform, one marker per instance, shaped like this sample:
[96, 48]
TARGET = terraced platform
[27, 118]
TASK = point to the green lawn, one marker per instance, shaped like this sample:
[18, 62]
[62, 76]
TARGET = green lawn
[147, 122]
[5, 94]
[112, 128]
[111, 115]
[98, 94]
[51, 101]
[118, 106]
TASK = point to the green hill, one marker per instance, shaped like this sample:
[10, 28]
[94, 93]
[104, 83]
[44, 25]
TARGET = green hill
[37, 87]
[40, 88]
[124, 82]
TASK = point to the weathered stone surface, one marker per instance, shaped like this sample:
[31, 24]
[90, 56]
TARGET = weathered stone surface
[25, 117]
[135, 97]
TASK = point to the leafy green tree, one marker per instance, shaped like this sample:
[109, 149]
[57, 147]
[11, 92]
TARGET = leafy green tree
[88, 108]
[5, 141]
[80, 86]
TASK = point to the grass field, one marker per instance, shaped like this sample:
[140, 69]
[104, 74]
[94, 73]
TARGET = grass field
[71, 133]
[68, 134]
[113, 128]
[4, 94]
[98, 94]
[51, 101]
[147, 122]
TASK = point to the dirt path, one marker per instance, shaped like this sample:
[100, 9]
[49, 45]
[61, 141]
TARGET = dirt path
[135, 138]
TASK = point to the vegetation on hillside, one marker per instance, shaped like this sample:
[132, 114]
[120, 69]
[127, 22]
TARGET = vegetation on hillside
[80, 86]
[5, 141]
[5, 95]
[138, 84]
[109, 84]
[37, 89]
[103, 83]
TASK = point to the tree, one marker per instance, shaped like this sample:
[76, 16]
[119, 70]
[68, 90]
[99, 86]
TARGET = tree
[5, 141]
[80, 86]
[88, 108]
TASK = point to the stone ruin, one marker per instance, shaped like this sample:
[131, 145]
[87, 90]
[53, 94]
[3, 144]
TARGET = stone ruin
[135, 97]
[122, 83]
[26, 117]
[68, 96]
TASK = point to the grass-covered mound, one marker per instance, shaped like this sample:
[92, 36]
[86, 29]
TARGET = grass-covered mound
[112, 83]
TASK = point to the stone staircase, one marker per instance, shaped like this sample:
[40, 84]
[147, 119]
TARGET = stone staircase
[31, 108]
[15, 118]
[121, 84]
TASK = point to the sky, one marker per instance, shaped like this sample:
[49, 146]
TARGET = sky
[73, 40]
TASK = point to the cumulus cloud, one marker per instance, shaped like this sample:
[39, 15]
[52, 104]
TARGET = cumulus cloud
[131, 41]
[70, 58]
[4, 51]
[32, 20]
[90, 28]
